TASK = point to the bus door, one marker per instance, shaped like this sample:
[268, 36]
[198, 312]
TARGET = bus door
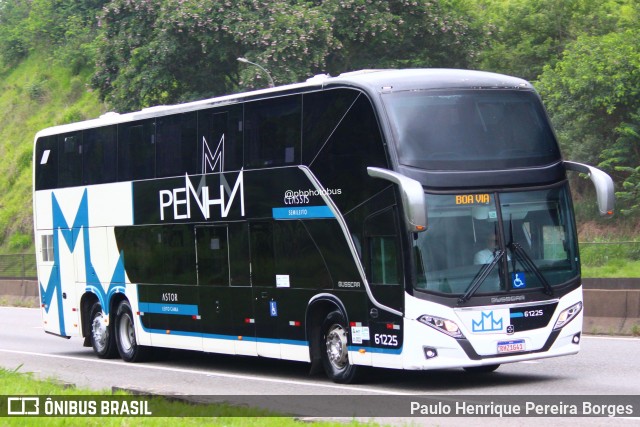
[228, 324]
[385, 278]
[263, 280]
[57, 277]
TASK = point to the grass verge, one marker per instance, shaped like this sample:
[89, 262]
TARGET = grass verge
[604, 259]
[14, 383]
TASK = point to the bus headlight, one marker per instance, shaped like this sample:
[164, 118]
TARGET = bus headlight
[443, 325]
[567, 315]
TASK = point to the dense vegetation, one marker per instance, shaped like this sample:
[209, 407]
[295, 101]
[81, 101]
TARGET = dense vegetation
[67, 60]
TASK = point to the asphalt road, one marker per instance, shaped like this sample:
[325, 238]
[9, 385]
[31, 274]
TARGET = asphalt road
[605, 366]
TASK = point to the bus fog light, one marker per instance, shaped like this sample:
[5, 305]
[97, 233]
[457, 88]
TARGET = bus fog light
[445, 326]
[567, 315]
[576, 338]
[430, 352]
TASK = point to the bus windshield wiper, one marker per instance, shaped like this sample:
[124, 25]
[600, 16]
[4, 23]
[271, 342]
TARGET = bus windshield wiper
[481, 276]
[520, 253]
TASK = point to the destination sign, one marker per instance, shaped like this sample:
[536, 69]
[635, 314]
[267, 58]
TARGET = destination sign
[473, 199]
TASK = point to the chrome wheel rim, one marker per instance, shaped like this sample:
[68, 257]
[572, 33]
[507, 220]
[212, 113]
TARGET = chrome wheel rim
[336, 343]
[126, 333]
[100, 332]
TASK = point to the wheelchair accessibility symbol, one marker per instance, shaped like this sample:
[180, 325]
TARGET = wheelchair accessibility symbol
[518, 281]
[273, 308]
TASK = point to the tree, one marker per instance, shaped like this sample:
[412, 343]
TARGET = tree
[63, 27]
[593, 97]
[624, 157]
[14, 45]
[164, 51]
[403, 33]
[531, 34]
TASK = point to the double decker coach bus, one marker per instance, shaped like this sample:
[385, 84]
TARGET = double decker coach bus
[408, 219]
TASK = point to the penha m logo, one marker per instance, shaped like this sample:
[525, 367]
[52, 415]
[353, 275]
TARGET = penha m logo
[178, 203]
[211, 160]
[487, 323]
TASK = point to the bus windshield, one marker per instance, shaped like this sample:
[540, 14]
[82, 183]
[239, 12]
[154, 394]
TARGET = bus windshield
[470, 235]
[471, 129]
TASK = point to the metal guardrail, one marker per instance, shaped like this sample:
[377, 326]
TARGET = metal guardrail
[23, 266]
[18, 266]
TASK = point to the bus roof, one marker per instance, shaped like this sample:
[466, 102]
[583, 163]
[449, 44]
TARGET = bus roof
[432, 78]
[373, 81]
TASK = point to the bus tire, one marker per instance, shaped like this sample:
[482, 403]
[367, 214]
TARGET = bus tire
[125, 332]
[486, 369]
[101, 333]
[334, 342]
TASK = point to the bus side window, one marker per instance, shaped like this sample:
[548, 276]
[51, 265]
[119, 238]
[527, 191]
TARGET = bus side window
[46, 163]
[383, 250]
[176, 145]
[47, 248]
[262, 254]
[99, 153]
[341, 162]
[213, 255]
[70, 160]
[136, 150]
[273, 132]
[219, 139]
[322, 114]
[298, 257]
[158, 254]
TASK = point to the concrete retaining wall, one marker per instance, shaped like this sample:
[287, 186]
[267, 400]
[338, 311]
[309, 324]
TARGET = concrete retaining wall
[19, 292]
[610, 311]
[20, 288]
[613, 308]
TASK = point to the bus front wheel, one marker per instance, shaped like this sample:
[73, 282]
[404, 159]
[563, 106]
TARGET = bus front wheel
[335, 356]
[128, 347]
[102, 340]
[486, 369]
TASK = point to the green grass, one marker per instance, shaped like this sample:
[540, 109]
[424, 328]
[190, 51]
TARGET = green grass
[19, 301]
[610, 260]
[14, 383]
[37, 93]
[615, 269]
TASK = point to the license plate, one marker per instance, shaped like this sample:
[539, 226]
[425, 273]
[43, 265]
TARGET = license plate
[511, 346]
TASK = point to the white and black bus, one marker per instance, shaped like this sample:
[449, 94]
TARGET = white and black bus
[407, 219]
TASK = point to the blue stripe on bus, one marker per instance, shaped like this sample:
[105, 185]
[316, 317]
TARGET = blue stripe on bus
[225, 337]
[266, 340]
[302, 212]
[159, 308]
[517, 315]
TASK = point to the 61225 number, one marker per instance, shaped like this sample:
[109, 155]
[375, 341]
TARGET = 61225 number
[385, 339]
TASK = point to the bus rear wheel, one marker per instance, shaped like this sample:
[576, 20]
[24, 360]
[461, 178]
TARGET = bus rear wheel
[128, 347]
[102, 339]
[335, 356]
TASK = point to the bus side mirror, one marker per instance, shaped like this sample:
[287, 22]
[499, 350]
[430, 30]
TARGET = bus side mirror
[414, 206]
[601, 181]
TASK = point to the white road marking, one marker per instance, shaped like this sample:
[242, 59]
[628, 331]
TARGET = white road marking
[602, 337]
[208, 374]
